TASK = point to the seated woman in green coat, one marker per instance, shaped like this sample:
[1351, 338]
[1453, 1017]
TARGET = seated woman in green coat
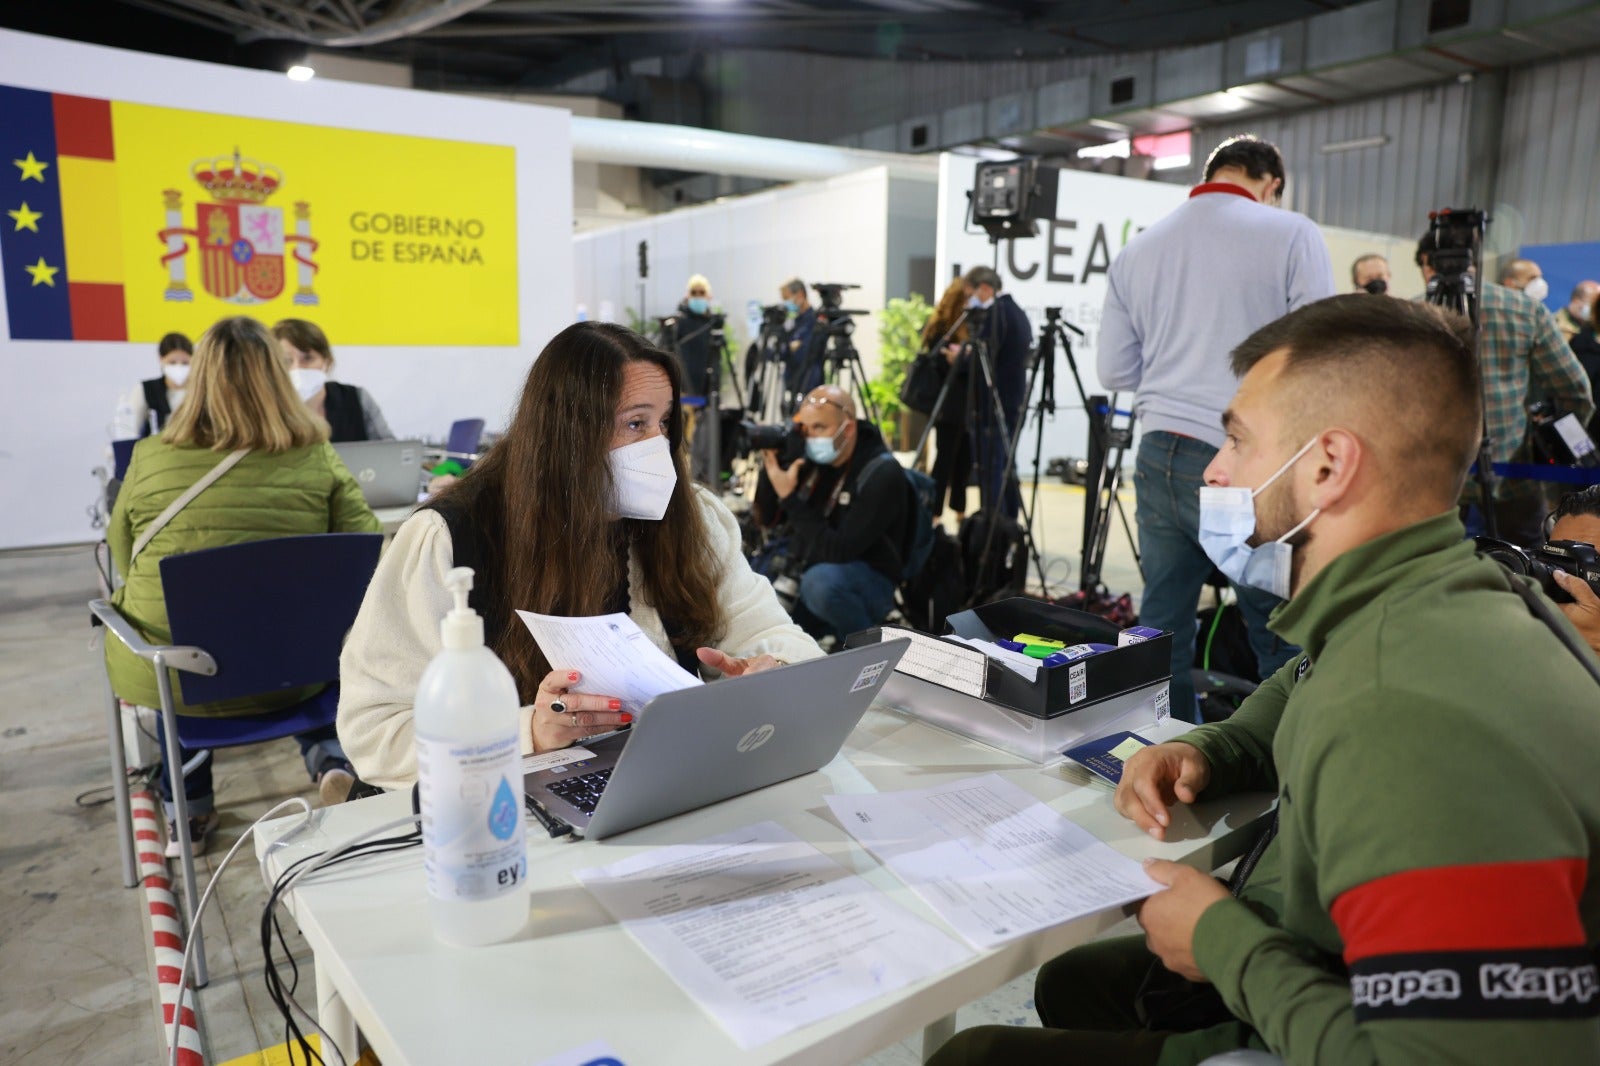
[291, 483]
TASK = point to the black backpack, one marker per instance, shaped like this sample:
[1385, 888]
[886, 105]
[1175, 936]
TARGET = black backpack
[939, 590]
[995, 566]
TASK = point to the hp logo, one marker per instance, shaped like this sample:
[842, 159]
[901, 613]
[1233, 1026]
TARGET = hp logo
[367, 474]
[756, 737]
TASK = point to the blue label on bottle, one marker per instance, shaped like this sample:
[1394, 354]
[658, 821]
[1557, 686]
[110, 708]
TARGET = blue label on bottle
[504, 814]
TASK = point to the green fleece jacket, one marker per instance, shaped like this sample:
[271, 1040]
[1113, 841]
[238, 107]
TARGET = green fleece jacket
[1430, 895]
[267, 494]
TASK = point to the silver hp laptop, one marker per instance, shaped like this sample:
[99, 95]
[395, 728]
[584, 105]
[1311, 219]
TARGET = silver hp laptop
[699, 745]
[388, 471]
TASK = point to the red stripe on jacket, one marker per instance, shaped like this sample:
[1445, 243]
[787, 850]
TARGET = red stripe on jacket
[1481, 907]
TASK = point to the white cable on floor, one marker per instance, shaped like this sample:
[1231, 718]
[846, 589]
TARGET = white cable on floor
[199, 912]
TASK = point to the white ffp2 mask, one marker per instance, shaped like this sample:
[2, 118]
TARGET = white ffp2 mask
[644, 476]
[175, 373]
[308, 382]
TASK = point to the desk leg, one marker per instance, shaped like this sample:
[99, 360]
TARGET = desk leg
[935, 1035]
[335, 1018]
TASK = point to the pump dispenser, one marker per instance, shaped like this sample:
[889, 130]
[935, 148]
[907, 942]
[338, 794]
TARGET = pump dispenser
[468, 769]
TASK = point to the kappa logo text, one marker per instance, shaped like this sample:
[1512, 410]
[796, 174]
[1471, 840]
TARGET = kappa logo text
[1400, 988]
[1557, 984]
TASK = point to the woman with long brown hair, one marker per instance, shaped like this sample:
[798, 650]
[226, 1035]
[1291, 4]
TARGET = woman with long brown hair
[952, 441]
[584, 507]
[288, 482]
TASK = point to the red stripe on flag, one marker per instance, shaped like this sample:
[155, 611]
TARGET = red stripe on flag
[1482, 907]
[83, 128]
[98, 313]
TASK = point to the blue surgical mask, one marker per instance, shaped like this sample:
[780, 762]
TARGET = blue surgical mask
[791, 307]
[979, 305]
[1228, 521]
[823, 450]
[699, 305]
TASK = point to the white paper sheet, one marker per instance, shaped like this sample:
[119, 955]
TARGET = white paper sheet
[993, 861]
[765, 932]
[612, 655]
[1022, 665]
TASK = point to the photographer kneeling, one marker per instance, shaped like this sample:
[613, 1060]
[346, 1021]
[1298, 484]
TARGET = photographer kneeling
[845, 508]
[1578, 519]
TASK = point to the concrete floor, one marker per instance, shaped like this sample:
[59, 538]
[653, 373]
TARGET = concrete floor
[75, 983]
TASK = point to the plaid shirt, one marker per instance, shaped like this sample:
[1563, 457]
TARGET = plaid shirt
[1523, 358]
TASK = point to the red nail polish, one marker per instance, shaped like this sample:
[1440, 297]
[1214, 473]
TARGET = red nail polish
[615, 705]
[573, 676]
[626, 717]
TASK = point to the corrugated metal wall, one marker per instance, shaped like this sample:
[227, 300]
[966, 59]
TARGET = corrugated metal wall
[1386, 189]
[1550, 151]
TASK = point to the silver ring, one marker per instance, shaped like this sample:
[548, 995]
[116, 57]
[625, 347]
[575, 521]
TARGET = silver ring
[557, 706]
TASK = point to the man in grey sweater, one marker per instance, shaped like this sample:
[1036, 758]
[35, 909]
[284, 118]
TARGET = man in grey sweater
[1182, 295]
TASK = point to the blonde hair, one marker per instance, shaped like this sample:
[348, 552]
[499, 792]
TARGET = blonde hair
[239, 395]
[307, 336]
[699, 281]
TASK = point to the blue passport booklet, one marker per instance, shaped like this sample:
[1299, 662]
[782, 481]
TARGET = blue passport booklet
[1104, 757]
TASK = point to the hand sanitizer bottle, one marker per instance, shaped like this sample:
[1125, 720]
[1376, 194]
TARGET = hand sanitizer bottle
[469, 769]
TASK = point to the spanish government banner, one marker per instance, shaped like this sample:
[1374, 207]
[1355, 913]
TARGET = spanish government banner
[124, 222]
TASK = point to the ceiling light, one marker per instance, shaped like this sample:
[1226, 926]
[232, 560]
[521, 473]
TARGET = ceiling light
[1360, 142]
[301, 72]
[1107, 124]
[1169, 162]
[1115, 150]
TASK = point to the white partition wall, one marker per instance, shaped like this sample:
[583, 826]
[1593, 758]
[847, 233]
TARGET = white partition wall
[59, 395]
[864, 228]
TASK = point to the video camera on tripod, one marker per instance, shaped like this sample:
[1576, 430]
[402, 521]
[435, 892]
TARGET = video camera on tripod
[832, 357]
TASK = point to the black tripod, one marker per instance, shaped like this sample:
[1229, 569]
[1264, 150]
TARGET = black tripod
[765, 399]
[1108, 444]
[833, 355]
[1457, 261]
[707, 456]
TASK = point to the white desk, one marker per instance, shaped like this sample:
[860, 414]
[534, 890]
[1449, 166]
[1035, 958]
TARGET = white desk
[573, 975]
[391, 518]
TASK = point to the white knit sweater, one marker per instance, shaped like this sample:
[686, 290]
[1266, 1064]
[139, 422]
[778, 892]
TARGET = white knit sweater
[396, 634]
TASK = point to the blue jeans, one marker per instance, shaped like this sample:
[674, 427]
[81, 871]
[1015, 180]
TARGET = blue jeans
[1167, 482]
[842, 598]
[317, 747]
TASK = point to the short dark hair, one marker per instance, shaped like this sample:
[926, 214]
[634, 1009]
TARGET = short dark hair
[795, 285]
[1256, 157]
[1409, 366]
[174, 342]
[307, 336]
[981, 275]
[1426, 246]
[1583, 502]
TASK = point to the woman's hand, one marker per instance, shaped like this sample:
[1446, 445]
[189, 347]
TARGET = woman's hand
[731, 667]
[952, 352]
[562, 717]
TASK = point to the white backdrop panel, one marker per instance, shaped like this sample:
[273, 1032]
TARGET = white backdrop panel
[59, 396]
[827, 231]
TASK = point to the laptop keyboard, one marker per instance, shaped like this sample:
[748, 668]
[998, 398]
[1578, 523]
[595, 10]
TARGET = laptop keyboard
[583, 791]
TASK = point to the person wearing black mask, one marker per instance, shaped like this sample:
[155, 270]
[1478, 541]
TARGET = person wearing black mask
[1370, 273]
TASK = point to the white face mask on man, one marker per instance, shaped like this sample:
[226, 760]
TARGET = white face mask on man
[644, 476]
[1228, 521]
[308, 382]
[1538, 288]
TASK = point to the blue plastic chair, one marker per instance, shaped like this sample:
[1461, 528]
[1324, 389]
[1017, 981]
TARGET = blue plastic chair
[246, 620]
[121, 456]
[465, 436]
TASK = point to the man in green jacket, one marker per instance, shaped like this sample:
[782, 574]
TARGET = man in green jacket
[1428, 896]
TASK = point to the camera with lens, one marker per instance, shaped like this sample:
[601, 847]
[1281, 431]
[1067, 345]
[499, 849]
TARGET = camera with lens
[773, 316]
[831, 295]
[1457, 233]
[785, 438]
[1572, 556]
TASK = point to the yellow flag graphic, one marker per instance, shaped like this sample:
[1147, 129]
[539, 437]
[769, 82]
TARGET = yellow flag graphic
[381, 239]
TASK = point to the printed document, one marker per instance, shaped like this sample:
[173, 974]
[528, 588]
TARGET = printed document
[993, 861]
[612, 655]
[767, 933]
